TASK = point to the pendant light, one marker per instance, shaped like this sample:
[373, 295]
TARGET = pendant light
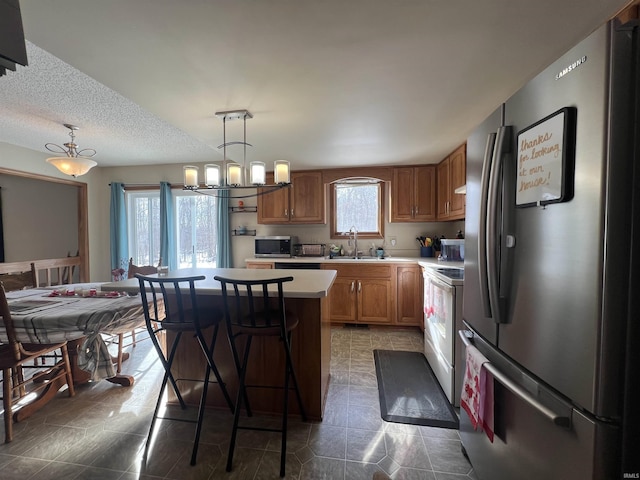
[76, 162]
[232, 175]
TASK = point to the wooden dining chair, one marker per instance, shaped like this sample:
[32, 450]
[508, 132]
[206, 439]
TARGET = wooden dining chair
[19, 280]
[171, 307]
[68, 272]
[22, 281]
[16, 356]
[141, 269]
[120, 338]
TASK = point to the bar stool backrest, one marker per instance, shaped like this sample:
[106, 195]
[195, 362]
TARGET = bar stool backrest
[263, 306]
[173, 300]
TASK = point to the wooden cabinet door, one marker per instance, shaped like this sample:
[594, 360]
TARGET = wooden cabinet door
[273, 207]
[413, 194]
[402, 195]
[409, 295]
[307, 198]
[458, 177]
[424, 194]
[444, 186]
[342, 300]
[302, 202]
[451, 174]
[375, 304]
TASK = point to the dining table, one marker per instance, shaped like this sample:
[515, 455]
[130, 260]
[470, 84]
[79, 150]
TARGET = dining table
[82, 314]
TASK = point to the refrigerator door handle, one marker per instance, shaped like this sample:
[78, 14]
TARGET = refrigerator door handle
[503, 139]
[556, 418]
[482, 234]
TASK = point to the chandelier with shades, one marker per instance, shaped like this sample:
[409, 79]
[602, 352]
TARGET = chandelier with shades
[232, 175]
[76, 162]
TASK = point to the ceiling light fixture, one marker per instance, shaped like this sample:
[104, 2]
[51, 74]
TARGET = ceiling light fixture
[76, 162]
[233, 175]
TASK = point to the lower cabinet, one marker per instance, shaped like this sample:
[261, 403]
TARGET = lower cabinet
[361, 294]
[342, 304]
[266, 265]
[409, 287]
[379, 294]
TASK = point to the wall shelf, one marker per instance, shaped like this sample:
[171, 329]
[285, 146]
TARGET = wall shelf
[245, 233]
[251, 209]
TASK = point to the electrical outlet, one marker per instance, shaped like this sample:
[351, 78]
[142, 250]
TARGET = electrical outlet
[393, 241]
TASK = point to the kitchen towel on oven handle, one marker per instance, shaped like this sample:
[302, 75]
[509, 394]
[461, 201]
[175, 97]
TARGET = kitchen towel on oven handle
[477, 392]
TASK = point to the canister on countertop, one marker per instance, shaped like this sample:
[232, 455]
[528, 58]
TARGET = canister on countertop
[452, 250]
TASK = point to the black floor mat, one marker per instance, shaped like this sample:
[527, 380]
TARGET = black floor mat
[409, 391]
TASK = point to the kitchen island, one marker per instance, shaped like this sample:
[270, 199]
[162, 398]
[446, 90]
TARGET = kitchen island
[306, 296]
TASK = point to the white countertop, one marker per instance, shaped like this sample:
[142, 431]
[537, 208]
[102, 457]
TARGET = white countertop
[434, 263]
[305, 284]
[429, 262]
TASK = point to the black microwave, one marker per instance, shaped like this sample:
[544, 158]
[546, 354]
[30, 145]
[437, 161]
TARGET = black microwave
[277, 246]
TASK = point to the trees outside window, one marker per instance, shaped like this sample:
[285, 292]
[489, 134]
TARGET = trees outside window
[357, 203]
[195, 222]
[143, 225]
[197, 231]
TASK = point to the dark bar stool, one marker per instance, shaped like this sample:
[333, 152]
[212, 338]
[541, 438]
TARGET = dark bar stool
[170, 305]
[259, 311]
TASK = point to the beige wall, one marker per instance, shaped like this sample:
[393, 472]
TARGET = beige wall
[31, 161]
[32, 231]
[242, 246]
[98, 180]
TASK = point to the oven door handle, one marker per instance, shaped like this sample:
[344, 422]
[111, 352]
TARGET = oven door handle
[439, 284]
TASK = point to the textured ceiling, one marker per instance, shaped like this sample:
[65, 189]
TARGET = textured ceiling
[330, 82]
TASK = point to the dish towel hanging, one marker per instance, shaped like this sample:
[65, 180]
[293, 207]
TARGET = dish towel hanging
[477, 392]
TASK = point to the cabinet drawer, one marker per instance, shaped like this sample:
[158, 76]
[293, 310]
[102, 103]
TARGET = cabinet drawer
[361, 271]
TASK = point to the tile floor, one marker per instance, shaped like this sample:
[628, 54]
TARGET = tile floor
[100, 433]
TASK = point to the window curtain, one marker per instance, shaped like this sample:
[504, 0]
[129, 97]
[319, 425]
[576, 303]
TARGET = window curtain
[168, 249]
[118, 223]
[224, 258]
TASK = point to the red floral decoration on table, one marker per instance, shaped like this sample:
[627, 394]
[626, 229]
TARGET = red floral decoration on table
[117, 274]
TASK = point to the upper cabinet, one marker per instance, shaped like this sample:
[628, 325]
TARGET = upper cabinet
[303, 202]
[413, 194]
[452, 173]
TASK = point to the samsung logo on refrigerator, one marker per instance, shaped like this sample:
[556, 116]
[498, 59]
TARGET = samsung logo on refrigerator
[571, 67]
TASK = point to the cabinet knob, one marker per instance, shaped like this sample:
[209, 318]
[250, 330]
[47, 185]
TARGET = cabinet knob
[359, 286]
[292, 213]
[352, 286]
[286, 212]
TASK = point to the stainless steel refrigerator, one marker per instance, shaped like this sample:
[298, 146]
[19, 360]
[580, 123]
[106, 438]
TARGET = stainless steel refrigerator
[551, 285]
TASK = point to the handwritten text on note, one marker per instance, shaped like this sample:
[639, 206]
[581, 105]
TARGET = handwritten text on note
[539, 151]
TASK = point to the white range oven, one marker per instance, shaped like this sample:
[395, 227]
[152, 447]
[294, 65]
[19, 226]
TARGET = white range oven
[442, 319]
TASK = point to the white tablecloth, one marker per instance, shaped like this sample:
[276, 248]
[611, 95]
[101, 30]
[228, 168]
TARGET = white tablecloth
[73, 317]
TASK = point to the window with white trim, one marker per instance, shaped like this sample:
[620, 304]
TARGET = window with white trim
[357, 203]
[196, 230]
[143, 226]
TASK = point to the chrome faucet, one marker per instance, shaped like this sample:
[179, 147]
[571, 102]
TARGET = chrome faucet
[354, 230]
